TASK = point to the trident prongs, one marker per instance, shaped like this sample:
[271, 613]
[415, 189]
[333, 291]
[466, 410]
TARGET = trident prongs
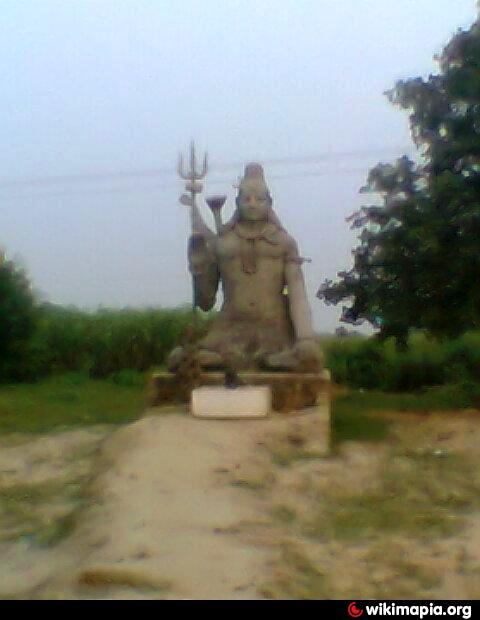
[181, 173]
[204, 165]
[194, 174]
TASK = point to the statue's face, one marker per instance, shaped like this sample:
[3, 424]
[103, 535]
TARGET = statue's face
[253, 204]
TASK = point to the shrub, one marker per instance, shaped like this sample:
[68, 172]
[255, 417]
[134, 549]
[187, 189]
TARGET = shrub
[17, 322]
[463, 358]
[425, 361]
[109, 341]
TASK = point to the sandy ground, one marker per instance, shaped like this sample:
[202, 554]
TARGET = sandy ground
[164, 504]
[167, 496]
[184, 508]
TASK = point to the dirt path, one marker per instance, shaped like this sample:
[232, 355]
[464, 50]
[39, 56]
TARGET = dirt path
[171, 498]
[183, 508]
[165, 502]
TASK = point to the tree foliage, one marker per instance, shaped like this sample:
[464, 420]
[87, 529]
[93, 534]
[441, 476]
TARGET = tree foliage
[17, 320]
[418, 259]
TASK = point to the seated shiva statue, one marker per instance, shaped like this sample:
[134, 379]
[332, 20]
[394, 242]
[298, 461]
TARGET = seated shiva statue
[265, 320]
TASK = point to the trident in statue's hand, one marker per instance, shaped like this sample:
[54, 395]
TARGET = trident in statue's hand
[193, 176]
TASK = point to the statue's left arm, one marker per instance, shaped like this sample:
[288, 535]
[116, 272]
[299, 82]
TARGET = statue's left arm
[300, 312]
[204, 268]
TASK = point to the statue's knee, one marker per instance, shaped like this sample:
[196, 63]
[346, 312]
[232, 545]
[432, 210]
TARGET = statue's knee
[176, 357]
[204, 357]
[209, 359]
[304, 356]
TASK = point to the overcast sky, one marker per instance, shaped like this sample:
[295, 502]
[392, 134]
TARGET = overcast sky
[98, 96]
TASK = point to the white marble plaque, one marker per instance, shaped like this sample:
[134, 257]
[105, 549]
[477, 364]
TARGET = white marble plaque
[253, 401]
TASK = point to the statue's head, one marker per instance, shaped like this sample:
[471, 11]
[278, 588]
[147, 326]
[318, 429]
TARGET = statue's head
[253, 200]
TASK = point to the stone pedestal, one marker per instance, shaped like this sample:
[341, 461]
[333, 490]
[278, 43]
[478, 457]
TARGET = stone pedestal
[290, 391]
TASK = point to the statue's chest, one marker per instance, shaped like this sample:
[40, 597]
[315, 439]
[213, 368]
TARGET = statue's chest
[231, 246]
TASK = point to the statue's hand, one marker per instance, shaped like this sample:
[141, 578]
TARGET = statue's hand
[304, 356]
[309, 354]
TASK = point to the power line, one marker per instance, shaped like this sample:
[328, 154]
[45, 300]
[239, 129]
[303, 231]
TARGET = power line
[153, 173]
[328, 156]
[163, 186]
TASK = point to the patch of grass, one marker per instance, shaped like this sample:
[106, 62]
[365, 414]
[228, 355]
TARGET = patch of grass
[30, 493]
[283, 514]
[401, 576]
[295, 445]
[359, 518]
[296, 577]
[351, 413]
[54, 532]
[351, 419]
[285, 454]
[66, 401]
[42, 512]
[421, 493]
[252, 476]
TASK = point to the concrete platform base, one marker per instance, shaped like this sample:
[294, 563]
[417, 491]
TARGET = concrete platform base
[290, 391]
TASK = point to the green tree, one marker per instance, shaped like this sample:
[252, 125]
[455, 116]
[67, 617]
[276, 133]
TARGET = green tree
[17, 320]
[418, 258]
